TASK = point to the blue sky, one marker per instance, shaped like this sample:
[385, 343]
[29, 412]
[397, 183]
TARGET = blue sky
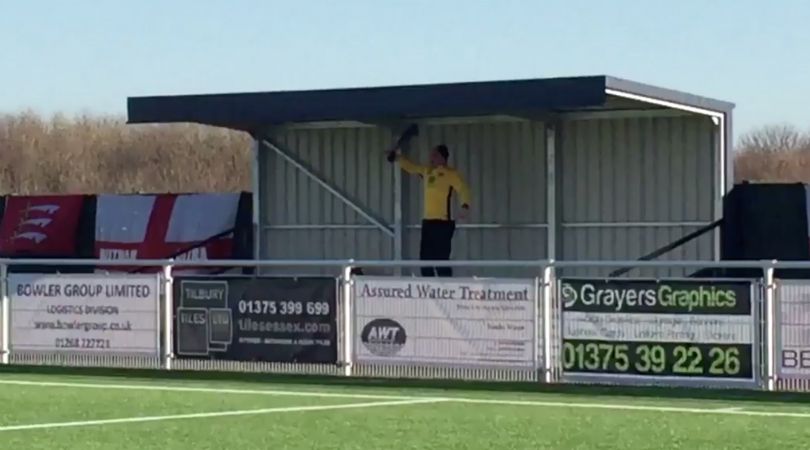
[89, 55]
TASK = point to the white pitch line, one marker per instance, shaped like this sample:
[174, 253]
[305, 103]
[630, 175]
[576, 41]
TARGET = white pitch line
[738, 408]
[247, 412]
[549, 404]
[146, 387]
[624, 407]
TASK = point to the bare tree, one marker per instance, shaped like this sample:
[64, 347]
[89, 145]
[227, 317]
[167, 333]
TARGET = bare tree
[774, 153]
[775, 138]
[101, 154]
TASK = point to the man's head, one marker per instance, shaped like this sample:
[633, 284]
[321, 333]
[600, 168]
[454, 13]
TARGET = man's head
[439, 155]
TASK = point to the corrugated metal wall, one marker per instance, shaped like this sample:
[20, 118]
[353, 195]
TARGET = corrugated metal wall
[504, 163]
[636, 171]
[625, 188]
[304, 221]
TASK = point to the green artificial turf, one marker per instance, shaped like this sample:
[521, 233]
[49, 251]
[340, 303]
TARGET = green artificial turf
[279, 415]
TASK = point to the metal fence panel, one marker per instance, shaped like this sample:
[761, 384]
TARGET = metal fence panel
[789, 325]
[85, 360]
[92, 314]
[792, 355]
[684, 332]
[460, 328]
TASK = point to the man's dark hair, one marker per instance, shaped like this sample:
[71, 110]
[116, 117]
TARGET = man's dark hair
[442, 149]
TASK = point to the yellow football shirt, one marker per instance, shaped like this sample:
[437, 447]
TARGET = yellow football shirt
[439, 185]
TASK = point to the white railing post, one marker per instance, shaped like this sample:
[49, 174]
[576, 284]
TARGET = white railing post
[548, 320]
[5, 317]
[770, 329]
[346, 338]
[537, 325]
[168, 313]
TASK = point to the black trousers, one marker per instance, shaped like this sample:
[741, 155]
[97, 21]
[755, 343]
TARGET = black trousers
[436, 245]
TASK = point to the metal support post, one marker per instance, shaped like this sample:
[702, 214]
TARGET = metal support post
[548, 321]
[720, 186]
[258, 195]
[168, 313]
[5, 318]
[538, 327]
[551, 191]
[348, 332]
[770, 331]
[398, 226]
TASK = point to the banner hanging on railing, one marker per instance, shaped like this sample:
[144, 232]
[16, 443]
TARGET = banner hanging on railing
[85, 313]
[685, 329]
[793, 329]
[256, 319]
[448, 322]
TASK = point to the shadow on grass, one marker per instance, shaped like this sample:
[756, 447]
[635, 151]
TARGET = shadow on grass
[651, 392]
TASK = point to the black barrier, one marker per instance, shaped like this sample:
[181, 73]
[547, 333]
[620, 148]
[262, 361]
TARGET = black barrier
[668, 328]
[256, 319]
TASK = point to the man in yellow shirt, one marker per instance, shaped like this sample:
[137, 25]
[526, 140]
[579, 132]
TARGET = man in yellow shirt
[440, 183]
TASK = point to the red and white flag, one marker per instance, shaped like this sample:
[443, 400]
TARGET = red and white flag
[163, 226]
[43, 226]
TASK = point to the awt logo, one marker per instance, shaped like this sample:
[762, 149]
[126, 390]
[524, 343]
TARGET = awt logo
[384, 334]
[383, 337]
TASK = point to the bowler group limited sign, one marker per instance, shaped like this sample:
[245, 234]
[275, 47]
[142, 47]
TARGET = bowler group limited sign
[99, 314]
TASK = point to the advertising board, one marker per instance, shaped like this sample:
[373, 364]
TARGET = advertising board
[93, 313]
[452, 322]
[672, 329]
[271, 319]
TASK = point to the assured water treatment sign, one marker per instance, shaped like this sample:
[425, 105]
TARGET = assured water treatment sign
[668, 328]
[84, 313]
[452, 322]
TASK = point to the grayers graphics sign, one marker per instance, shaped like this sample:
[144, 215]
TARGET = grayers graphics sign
[489, 323]
[666, 328]
[84, 313]
[257, 319]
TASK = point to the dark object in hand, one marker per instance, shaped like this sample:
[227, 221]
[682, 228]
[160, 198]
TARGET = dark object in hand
[410, 132]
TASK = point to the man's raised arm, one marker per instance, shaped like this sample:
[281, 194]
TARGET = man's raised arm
[409, 166]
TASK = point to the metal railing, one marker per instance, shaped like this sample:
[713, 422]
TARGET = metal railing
[549, 322]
